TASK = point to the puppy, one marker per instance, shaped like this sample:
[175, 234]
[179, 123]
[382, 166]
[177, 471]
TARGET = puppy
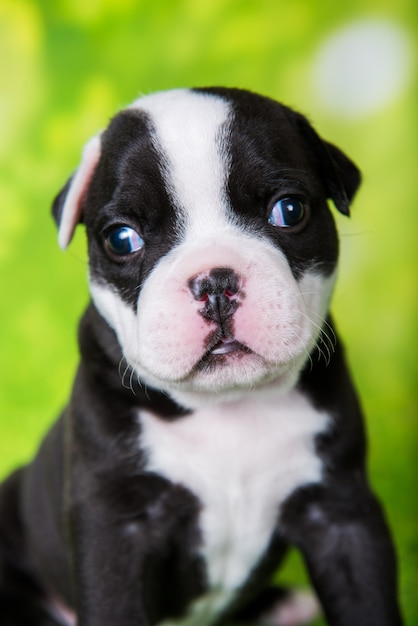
[213, 421]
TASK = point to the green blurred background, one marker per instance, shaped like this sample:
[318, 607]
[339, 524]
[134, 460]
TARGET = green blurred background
[67, 66]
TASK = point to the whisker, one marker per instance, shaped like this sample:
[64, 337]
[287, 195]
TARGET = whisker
[327, 340]
[123, 375]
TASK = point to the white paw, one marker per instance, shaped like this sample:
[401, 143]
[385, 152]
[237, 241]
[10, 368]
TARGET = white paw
[300, 607]
[60, 612]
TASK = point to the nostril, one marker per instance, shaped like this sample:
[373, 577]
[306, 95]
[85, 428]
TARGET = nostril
[226, 281]
[200, 287]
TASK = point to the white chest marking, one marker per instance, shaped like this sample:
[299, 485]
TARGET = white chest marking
[242, 460]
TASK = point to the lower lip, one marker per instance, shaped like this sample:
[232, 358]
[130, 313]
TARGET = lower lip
[227, 347]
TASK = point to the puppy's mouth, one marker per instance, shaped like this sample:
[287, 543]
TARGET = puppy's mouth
[223, 347]
[226, 346]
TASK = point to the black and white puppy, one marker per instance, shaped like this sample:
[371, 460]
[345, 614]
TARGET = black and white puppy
[212, 422]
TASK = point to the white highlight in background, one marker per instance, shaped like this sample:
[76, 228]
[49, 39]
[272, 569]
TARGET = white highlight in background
[362, 67]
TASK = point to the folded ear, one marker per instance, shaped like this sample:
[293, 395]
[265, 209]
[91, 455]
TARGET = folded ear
[340, 176]
[68, 205]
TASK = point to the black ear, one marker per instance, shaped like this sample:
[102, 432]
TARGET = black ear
[67, 206]
[340, 176]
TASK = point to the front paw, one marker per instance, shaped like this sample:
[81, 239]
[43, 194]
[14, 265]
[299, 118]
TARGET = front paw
[297, 608]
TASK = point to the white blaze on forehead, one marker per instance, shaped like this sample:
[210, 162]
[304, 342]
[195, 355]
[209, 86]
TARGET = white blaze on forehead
[189, 129]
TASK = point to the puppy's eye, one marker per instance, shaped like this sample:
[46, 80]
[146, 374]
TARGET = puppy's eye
[123, 241]
[287, 212]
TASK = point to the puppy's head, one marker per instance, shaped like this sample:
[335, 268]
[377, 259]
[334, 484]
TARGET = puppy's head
[212, 250]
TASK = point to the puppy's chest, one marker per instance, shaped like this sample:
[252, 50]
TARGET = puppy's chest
[241, 461]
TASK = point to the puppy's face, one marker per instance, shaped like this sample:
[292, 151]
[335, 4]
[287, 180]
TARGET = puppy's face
[212, 249]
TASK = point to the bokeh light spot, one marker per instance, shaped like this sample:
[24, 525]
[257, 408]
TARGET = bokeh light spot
[362, 67]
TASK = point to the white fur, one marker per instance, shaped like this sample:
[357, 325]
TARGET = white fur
[73, 203]
[61, 613]
[279, 320]
[189, 129]
[301, 607]
[242, 460]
